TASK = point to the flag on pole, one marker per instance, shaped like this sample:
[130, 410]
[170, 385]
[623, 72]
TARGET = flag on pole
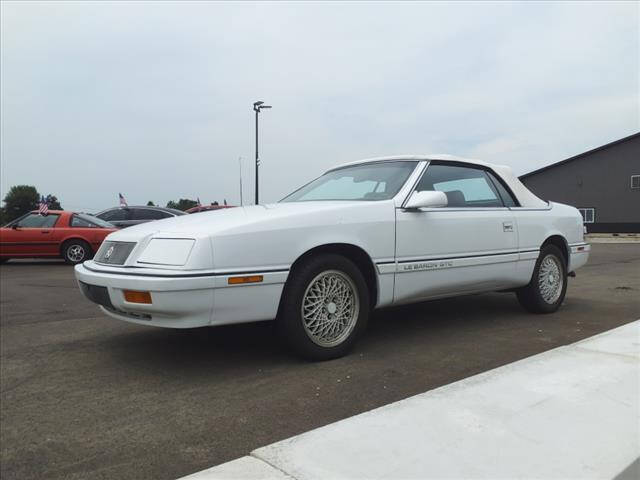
[43, 206]
[123, 202]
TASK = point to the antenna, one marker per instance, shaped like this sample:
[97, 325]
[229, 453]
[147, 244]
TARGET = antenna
[240, 166]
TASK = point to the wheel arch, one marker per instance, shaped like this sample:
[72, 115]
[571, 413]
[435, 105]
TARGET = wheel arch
[352, 252]
[560, 242]
[72, 238]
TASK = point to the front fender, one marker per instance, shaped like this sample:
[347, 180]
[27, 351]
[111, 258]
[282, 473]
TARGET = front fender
[278, 244]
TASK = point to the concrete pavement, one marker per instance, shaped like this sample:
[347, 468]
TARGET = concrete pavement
[571, 412]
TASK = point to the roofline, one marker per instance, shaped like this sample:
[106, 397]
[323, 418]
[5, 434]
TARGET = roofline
[60, 212]
[524, 196]
[141, 206]
[414, 158]
[575, 157]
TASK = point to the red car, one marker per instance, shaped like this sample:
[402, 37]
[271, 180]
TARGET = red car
[72, 236]
[205, 208]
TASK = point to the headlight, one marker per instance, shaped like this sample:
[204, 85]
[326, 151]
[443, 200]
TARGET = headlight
[167, 251]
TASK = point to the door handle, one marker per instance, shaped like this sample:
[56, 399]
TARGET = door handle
[45, 231]
[507, 226]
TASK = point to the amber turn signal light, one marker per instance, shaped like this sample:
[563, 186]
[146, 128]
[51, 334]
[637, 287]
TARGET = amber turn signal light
[249, 279]
[133, 296]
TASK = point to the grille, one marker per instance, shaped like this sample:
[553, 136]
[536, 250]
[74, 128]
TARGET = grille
[114, 253]
[96, 294]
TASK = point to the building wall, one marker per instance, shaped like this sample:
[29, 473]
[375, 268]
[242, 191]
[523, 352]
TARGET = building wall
[600, 180]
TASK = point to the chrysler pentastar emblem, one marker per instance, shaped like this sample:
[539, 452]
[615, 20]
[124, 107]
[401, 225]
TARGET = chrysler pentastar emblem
[108, 252]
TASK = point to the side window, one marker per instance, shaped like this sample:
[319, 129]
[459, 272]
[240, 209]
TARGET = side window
[50, 221]
[76, 221]
[507, 197]
[148, 214]
[115, 214]
[464, 187]
[35, 220]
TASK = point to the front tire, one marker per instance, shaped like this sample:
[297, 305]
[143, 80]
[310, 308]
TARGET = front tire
[325, 307]
[76, 251]
[545, 293]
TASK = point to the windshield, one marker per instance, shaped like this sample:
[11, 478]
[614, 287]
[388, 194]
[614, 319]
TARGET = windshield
[95, 220]
[372, 181]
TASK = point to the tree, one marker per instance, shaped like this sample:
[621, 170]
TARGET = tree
[19, 200]
[4, 218]
[150, 204]
[53, 202]
[182, 204]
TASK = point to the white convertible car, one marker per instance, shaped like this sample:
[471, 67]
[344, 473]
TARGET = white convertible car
[368, 234]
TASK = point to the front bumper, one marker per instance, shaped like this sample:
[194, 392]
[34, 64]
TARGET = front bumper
[181, 301]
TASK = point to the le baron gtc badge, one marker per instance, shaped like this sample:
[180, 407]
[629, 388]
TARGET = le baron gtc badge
[108, 253]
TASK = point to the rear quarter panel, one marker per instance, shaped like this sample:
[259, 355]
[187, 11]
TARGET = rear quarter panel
[537, 225]
[93, 236]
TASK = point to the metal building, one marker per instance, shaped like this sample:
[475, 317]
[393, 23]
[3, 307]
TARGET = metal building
[603, 183]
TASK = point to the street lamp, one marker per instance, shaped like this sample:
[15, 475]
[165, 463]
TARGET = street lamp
[257, 106]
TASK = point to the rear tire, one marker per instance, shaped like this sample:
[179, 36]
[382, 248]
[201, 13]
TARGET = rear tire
[548, 286]
[76, 251]
[325, 307]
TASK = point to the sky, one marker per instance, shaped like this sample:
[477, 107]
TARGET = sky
[154, 99]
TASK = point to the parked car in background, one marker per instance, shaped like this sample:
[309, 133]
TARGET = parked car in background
[375, 233]
[59, 233]
[123, 217]
[206, 208]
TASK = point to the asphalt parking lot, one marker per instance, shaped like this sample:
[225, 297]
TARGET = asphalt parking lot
[85, 396]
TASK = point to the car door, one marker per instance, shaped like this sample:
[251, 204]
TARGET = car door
[30, 235]
[10, 240]
[468, 246]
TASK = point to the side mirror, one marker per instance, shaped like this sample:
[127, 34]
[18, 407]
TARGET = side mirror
[14, 226]
[426, 199]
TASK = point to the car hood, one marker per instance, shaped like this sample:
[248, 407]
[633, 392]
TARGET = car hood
[232, 220]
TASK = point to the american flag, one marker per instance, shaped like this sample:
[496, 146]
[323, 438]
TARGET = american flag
[43, 206]
[123, 202]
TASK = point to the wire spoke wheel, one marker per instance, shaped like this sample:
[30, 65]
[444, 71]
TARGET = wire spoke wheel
[330, 308]
[550, 279]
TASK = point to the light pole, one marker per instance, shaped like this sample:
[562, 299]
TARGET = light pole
[240, 166]
[257, 106]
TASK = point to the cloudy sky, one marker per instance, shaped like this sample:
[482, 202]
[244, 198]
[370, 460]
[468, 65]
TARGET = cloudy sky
[154, 99]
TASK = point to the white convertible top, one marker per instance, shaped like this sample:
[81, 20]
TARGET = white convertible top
[525, 197]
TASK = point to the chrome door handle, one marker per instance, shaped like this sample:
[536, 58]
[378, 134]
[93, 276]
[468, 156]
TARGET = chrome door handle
[507, 226]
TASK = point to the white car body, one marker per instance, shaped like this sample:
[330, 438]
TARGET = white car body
[407, 255]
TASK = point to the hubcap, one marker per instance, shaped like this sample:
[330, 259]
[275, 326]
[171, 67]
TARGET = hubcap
[550, 279]
[330, 308]
[75, 253]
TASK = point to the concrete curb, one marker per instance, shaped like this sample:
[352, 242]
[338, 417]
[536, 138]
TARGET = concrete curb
[571, 412]
[610, 238]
